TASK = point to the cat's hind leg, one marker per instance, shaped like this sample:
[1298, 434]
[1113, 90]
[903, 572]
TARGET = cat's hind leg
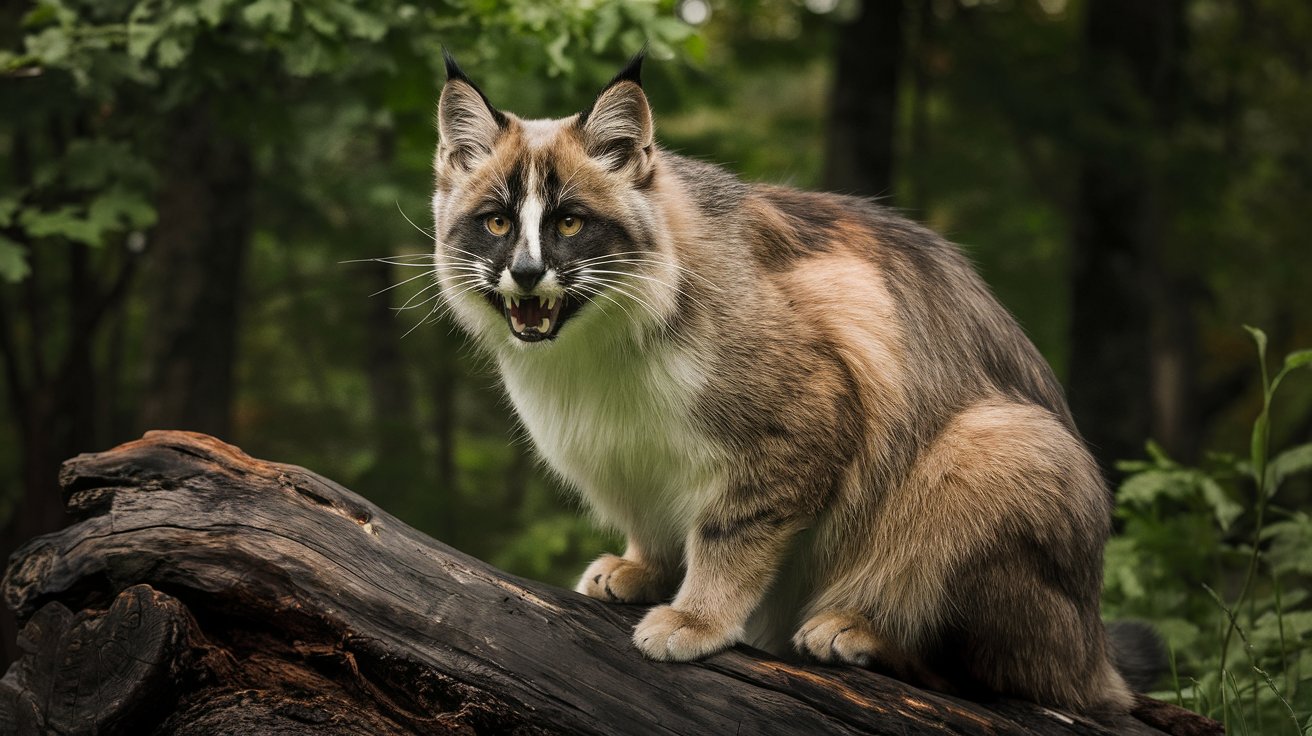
[637, 577]
[984, 565]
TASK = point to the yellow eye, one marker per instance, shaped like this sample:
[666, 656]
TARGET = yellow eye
[498, 225]
[569, 225]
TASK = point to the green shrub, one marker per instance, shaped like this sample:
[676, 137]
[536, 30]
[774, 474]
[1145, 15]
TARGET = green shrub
[1219, 560]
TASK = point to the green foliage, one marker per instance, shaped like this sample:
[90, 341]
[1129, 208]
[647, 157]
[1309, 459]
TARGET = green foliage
[1245, 657]
[334, 99]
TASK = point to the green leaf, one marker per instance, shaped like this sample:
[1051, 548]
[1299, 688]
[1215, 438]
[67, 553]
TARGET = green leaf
[142, 38]
[212, 10]
[1259, 337]
[1158, 454]
[170, 51]
[317, 20]
[607, 25]
[358, 23]
[8, 207]
[1289, 541]
[560, 63]
[64, 222]
[51, 46]
[273, 14]
[1290, 462]
[118, 207]
[1224, 507]
[13, 261]
[1147, 487]
[1297, 359]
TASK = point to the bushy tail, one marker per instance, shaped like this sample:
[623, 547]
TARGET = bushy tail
[1139, 654]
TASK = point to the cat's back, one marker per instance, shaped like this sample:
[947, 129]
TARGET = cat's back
[903, 304]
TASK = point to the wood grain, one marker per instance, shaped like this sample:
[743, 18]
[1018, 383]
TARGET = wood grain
[205, 591]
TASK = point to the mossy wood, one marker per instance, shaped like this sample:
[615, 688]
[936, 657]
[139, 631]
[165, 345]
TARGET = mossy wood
[204, 591]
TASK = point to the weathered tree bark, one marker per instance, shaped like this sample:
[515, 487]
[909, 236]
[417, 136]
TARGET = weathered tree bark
[204, 591]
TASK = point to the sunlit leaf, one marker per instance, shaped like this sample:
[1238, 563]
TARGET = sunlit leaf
[1298, 359]
[1259, 337]
[1224, 507]
[117, 208]
[67, 222]
[273, 14]
[13, 261]
[212, 10]
[8, 207]
[1290, 462]
[170, 51]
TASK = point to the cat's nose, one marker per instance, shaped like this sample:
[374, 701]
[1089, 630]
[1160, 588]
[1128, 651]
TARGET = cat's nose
[527, 271]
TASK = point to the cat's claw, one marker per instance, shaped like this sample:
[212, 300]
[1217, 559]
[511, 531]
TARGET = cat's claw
[670, 635]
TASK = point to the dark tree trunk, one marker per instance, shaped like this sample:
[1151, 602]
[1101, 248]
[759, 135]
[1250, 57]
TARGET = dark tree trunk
[206, 591]
[197, 255]
[390, 388]
[1131, 346]
[50, 370]
[862, 128]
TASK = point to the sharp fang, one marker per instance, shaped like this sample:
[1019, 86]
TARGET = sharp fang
[516, 324]
[507, 300]
[545, 327]
[515, 298]
[551, 302]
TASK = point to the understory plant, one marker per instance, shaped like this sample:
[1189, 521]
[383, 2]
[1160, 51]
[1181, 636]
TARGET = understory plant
[1218, 558]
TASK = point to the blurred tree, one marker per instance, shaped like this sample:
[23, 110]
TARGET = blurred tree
[181, 128]
[862, 133]
[197, 253]
[1132, 352]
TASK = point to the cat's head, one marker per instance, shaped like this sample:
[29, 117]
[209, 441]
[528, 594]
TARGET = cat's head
[544, 223]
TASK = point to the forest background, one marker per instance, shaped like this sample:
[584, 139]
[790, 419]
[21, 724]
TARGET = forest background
[187, 188]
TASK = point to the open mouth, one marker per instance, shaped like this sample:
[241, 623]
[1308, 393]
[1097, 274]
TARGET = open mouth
[533, 318]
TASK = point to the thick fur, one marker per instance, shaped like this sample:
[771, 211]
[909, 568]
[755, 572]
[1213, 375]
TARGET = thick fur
[813, 422]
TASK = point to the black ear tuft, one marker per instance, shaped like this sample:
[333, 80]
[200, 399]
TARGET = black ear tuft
[632, 72]
[453, 70]
[617, 128]
[455, 74]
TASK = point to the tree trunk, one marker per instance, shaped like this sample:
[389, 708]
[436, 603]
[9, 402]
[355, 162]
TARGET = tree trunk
[204, 589]
[197, 254]
[862, 128]
[1131, 353]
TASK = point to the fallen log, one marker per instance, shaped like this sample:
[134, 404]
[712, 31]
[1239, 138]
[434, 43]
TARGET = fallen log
[204, 591]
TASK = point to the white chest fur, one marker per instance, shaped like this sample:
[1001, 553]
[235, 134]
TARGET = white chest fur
[616, 423]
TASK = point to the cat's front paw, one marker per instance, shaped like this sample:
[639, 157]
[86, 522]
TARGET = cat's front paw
[618, 580]
[671, 635]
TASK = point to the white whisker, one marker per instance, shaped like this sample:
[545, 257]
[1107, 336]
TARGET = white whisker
[616, 286]
[598, 292]
[401, 283]
[412, 222]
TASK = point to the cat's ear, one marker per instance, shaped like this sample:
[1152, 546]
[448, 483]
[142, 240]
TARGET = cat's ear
[467, 124]
[617, 129]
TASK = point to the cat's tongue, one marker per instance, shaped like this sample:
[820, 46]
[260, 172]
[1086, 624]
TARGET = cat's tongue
[532, 318]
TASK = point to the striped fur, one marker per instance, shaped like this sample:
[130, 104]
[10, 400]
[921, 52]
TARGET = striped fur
[814, 424]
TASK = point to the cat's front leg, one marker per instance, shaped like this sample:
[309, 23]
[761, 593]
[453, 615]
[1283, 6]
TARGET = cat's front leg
[637, 577]
[732, 555]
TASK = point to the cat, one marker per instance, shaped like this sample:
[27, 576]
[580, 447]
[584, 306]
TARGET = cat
[815, 426]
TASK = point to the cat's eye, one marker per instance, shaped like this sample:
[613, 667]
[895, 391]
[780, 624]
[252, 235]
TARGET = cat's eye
[569, 225]
[498, 225]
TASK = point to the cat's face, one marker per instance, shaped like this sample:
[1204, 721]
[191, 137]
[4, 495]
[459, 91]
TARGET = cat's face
[539, 222]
